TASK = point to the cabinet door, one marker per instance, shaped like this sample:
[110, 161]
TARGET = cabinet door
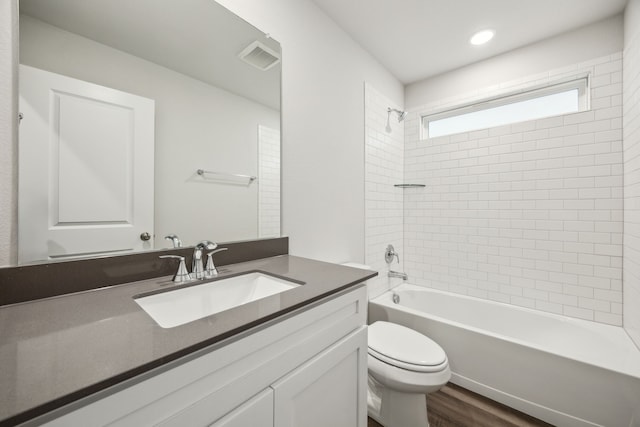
[328, 390]
[257, 412]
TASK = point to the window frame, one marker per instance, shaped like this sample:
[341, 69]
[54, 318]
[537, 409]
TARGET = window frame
[581, 83]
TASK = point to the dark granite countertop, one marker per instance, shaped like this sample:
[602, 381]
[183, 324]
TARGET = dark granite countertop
[57, 350]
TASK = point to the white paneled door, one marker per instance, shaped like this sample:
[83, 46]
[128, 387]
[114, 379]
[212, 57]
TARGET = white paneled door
[86, 168]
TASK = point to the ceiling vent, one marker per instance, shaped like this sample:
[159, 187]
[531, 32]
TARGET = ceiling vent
[260, 56]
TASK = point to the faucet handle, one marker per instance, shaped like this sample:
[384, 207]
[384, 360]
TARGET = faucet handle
[182, 275]
[211, 270]
[216, 251]
[390, 253]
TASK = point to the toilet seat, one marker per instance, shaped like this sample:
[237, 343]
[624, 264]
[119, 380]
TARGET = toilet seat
[405, 348]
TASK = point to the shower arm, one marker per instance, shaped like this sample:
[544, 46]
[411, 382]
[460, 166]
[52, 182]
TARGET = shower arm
[401, 114]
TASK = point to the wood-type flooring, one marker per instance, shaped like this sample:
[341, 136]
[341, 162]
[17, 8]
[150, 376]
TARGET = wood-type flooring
[454, 406]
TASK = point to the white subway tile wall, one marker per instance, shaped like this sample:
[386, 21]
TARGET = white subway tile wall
[384, 156]
[268, 182]
[632, 176]
[528, 214]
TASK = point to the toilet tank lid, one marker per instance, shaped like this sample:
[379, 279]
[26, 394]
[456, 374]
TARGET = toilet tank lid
[403, 344]
[356, 265]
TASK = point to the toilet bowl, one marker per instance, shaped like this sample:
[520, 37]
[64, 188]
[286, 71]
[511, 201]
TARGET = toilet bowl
[404, 366]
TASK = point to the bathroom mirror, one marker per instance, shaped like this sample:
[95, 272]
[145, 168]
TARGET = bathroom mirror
[210, 83]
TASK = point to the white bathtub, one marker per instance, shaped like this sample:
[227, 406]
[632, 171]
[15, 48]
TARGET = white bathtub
[565, 371]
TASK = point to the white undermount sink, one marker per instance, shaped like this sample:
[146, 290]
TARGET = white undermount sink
[175, 308]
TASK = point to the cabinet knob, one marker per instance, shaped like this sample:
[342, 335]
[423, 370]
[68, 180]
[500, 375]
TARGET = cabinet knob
[145, 236]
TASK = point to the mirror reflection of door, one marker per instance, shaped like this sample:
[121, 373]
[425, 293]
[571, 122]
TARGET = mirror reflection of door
[86, 168]
[209, 103]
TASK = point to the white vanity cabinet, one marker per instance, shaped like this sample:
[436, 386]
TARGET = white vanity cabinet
[307, 368]
[325, 391]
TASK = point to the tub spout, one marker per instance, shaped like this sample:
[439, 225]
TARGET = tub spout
[398, 274]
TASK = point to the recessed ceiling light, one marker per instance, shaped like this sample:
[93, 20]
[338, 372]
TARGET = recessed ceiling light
[481, 37]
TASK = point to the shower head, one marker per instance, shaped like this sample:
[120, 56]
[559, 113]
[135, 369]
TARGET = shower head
[401, 114]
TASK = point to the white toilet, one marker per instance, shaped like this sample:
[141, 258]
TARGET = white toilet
[404, 365]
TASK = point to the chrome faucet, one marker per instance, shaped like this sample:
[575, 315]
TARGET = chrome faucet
[211, 270]
[389, 254]
[398, 274]
[197, 266]
[177, 243]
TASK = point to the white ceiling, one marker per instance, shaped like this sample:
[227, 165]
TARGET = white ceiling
[199, 38]
[416, 39]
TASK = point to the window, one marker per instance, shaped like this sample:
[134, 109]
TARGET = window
[557, 99]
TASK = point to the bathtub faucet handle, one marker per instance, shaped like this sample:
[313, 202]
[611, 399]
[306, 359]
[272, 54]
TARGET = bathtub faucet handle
[390, 253]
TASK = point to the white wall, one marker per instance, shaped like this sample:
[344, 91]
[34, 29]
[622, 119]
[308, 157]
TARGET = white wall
[323, 120]
[8, 132]
[592, 41]
[530, 213]
[324, 72]
[631, 102]
[198, 126]
[384, 160]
